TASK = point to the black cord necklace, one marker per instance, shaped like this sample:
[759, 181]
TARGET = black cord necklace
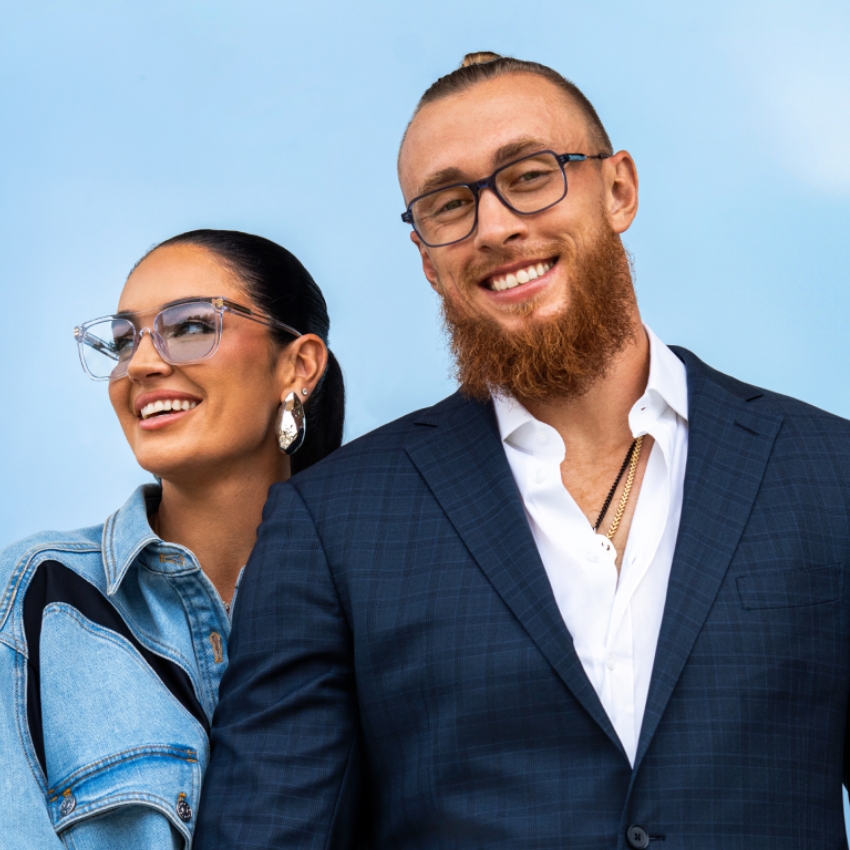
[610, 495]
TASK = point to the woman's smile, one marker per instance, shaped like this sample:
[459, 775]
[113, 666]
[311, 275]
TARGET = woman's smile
[156, 410]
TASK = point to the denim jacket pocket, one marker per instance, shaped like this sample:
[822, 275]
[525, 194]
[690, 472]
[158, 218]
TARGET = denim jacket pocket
[144, 797]
[125, 759]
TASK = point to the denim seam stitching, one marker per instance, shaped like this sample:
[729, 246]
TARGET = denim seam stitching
[107, 635]
[187, 754]
[107, 804]
[28, 563]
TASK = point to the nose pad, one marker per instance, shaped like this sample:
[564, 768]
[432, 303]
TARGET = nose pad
[139, 357]
[496, 220]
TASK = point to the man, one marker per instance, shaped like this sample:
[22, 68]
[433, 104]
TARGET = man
[593, 600]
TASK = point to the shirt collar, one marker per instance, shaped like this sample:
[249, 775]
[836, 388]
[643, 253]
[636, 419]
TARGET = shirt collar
[666, 387]
[127, 533]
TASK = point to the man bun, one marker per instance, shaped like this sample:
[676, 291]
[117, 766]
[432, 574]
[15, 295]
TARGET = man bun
[485, 65]
[479, 58]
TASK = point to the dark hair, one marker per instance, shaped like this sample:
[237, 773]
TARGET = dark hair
[277, 282]
[485, 65]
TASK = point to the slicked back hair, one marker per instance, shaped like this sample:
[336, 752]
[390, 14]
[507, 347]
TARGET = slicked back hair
[485, 65]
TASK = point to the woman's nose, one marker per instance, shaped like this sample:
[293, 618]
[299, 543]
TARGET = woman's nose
[146, 359]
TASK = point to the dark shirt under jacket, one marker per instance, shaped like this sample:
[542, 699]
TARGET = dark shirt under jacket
[400, 670]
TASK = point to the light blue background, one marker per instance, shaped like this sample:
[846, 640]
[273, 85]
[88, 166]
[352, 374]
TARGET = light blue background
[125, 123]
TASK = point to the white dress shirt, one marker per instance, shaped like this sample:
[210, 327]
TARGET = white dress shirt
[614, 620]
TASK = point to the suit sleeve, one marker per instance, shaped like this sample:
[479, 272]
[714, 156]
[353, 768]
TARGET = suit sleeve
[285, 764]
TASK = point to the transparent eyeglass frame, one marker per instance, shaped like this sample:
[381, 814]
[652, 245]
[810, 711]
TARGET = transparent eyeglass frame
[220, 304]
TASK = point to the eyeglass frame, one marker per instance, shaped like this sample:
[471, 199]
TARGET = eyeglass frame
[490, 183]
[219, 303]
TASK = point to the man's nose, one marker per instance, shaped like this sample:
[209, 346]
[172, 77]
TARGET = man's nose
[146, 360]
[497, 223]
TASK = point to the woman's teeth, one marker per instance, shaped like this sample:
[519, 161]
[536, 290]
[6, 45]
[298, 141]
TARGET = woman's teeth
[166, 406]
[499, 284]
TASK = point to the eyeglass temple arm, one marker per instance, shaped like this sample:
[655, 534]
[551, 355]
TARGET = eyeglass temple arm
[95, 343]
[581, 157]
[267, 321]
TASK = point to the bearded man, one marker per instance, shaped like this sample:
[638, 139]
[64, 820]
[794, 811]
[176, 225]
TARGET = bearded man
[594, 599]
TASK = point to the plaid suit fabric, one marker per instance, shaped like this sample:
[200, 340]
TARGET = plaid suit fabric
[400, 674]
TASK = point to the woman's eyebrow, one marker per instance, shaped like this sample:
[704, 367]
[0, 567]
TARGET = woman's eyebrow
[129, 314]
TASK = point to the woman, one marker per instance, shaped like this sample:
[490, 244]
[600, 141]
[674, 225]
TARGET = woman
[113, 639]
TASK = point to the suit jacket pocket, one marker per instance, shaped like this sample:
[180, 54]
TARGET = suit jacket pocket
[792, 588]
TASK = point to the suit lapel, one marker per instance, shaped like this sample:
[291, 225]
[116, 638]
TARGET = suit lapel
[458, 452]
[729, 443]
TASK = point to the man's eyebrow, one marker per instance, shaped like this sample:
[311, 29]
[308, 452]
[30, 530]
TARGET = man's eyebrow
[517, 148]
[442, 178]
[512, 150]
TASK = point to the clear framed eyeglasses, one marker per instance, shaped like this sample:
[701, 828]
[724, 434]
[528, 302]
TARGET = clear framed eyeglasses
[185, 331]
[528, 185]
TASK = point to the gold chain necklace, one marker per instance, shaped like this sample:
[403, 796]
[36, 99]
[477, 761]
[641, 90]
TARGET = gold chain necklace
[630, 479]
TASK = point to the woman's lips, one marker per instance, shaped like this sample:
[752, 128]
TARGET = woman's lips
[159, 420]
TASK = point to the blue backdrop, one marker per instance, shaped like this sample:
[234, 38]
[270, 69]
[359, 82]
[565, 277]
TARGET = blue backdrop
[125, 123]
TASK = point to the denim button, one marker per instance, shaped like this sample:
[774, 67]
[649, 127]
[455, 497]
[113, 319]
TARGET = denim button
[637, 837]
[184, 810]
[68, 804]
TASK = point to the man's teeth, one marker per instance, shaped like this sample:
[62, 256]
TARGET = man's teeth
[169, 405]
[499, 284]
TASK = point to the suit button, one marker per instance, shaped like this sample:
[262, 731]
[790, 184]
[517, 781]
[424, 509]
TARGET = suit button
[637, 837]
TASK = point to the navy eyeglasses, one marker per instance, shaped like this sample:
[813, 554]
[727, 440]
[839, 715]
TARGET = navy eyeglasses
[528, 185]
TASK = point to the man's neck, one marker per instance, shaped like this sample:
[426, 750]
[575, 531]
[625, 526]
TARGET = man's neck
[596, 424]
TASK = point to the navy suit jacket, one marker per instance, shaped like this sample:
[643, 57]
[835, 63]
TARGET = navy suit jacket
[401, 676]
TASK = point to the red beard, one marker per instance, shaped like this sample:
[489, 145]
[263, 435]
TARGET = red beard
[561, 357]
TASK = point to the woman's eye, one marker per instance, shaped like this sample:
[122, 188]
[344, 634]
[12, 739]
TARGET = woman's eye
[190, 327]
[123, 344]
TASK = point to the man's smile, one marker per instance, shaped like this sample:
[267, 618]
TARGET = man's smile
[503, 280]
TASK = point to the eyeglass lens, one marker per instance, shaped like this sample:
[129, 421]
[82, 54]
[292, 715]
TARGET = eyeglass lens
[183, 333]
[526, 186]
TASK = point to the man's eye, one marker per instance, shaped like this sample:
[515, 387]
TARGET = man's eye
[530, 177]
[450, 206]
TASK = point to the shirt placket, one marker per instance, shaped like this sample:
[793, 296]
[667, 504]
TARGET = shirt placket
[209, 627]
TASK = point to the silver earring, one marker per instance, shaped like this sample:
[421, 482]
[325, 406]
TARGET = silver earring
[304, 391]
[291, 425]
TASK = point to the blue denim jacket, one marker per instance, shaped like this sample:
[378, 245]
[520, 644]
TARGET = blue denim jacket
[133, 644]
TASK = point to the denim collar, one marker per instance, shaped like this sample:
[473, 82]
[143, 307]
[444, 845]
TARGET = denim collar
[127, 533]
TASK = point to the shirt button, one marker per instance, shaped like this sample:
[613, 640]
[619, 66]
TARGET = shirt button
[541, 436]
[591, 556]
[612, 662]
[540, 477]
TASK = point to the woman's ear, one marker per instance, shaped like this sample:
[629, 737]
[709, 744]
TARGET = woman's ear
[302, 364]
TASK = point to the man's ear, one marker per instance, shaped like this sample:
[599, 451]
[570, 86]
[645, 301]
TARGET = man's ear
[621, 190]
[427, 265]
[302, 364]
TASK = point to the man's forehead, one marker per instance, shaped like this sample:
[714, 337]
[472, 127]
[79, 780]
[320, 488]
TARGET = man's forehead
[466, 135]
